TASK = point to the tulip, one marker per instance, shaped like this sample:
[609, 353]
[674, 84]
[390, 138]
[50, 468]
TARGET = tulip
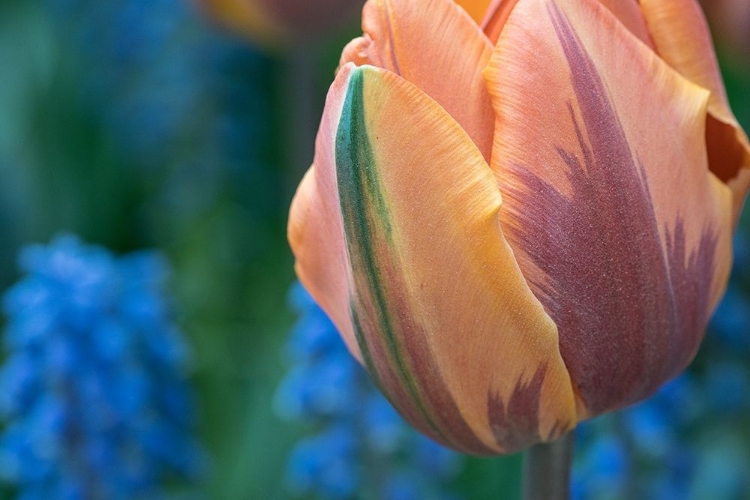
[519, 213]
[275, 21]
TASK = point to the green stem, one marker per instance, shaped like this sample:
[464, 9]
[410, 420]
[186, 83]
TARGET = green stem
[546, 470]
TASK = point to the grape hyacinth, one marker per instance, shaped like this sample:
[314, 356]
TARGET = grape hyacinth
[93, 391]
[360, 447]
[690, 440]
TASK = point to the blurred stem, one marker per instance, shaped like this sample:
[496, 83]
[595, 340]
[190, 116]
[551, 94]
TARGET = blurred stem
[546, 470]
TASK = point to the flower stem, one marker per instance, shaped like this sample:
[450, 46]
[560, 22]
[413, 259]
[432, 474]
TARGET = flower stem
[546, 470]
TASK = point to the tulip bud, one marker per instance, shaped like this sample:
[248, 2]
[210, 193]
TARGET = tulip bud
[274, 21]
[520, 212]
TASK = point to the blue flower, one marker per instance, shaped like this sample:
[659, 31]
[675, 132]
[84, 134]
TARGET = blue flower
[326, 463]
[361, 446]
[603, 469]
[93, 391]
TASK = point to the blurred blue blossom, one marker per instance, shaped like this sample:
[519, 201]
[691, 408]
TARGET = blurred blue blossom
[688, 441]
[93, 391]
[359, 446]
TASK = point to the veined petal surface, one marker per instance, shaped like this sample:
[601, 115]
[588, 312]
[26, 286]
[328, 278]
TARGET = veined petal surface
[618, 225]
[682, 39]
[630, 15]
[444, 319]
[437, 46]
[627, 11]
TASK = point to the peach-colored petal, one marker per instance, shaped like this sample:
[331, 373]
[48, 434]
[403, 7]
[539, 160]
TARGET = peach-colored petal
[630, 15]
[435, 45]
[443, 317]
[618, 225]
[356, 51]
[627, 11]
[315, 230]
[682, 39]
[496, 17]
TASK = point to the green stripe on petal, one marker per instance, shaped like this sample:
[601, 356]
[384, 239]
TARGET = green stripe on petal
[442, 315]
[369, 239]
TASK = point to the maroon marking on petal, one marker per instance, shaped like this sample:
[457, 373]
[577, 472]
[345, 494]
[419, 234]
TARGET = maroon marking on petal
[447, 425]
[630, 312]
[691, 277]
[393, 344]
[382, 370]
[517, 425]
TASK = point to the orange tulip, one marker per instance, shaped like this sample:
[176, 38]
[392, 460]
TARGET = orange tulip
[274, 21]
[519, 214]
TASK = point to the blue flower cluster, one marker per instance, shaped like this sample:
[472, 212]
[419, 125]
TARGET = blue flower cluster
[93, 391]
[360, 447]
[690, 440]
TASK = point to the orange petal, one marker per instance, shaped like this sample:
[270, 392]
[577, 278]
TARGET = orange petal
[620, 228]
[627, 11]
[445, 321]
[357, 52]
[630, 15]
[496, 17]
[475, 8]
[315, 229]
[682, 39]
[435, 45]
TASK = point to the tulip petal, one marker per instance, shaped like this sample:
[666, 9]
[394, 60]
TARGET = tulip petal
[618, 225]
[435, 45]
[444, 319]
[627, 11]
[496, 17]
[475, 8]
[630, 15]
[438, 293]
[315, 229]
[683, 40]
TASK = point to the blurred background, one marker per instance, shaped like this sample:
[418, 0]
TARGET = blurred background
[155, 344]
